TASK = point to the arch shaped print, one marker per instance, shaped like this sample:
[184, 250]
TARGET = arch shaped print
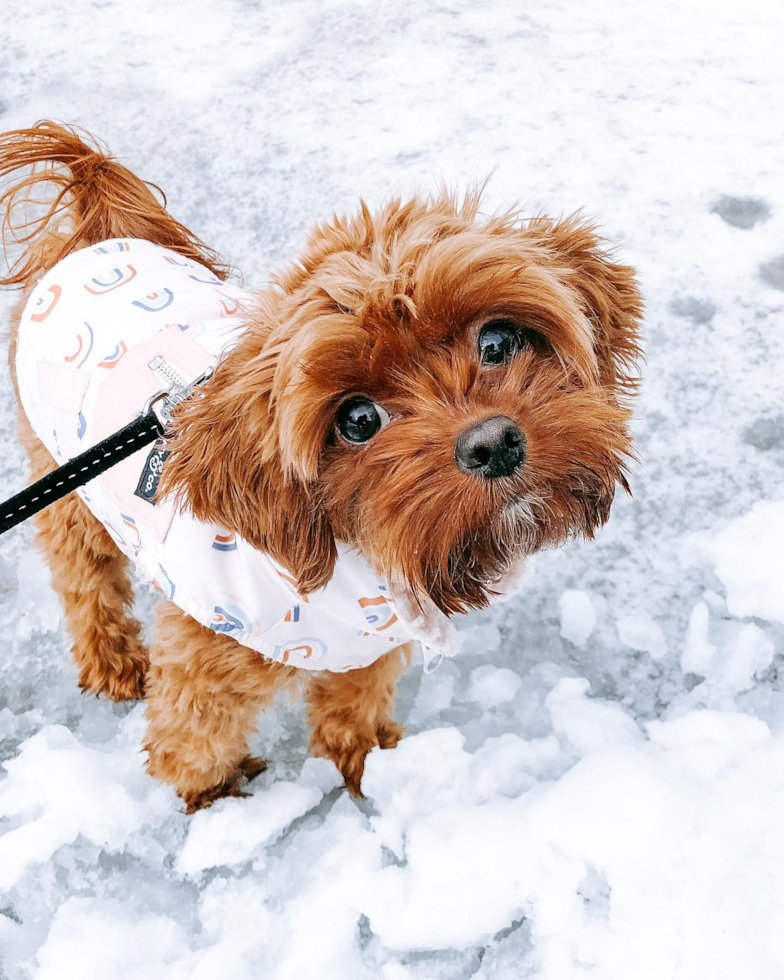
[226, 541]
[119, 277]
[80, 347]
[157, 301]
[378, 612]
[45, 304]
[110, 247]
[308, 647]
[111, 361]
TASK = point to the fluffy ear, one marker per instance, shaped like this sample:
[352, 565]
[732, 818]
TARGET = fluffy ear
[609, 292]
[225, 467]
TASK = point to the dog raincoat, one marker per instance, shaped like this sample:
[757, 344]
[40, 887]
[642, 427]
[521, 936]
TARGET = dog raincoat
[104, 330]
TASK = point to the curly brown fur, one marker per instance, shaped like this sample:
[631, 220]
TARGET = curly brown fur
[387, 305]
[204, 692]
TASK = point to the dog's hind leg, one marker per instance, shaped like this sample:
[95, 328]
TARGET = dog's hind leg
[90, 574]
[352, 713]
[204, 693]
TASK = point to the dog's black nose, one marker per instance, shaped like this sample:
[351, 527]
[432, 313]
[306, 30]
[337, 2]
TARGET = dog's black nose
[493, 448]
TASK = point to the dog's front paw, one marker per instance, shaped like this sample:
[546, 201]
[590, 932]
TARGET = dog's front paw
[250, 767]
[118, 675]
[348, 748]
[201, 800]
[389, 734]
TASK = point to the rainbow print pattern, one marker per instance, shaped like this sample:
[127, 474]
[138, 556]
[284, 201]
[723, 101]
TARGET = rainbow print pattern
[112, 360]
[118, 277]
[155, 302]
[378, 613]
[310, 648]
[46, 303]
[225, 541]
[69, 358]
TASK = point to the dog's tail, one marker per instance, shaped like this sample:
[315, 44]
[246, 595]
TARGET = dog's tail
[72, 194]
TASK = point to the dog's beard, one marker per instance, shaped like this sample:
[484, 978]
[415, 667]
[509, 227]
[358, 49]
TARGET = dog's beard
[404, 504]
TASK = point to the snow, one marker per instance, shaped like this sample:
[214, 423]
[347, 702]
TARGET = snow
[641, 632]
[748, 556]
[698, 652]
[127, 950]
[578, 616]
[226, 834]
[594, 785]
[491, 685]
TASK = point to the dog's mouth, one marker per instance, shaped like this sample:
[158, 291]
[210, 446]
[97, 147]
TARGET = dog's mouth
[461, 550]
[452, 534]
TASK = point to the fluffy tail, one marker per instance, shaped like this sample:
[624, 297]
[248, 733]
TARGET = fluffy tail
[67, 177]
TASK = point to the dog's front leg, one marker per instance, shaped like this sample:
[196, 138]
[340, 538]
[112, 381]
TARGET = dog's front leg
[203, 696]
[351, 713]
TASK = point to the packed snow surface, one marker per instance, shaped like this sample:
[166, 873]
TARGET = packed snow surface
[594, 786]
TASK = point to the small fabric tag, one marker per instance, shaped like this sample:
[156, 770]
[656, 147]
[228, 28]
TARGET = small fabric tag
[147, 486]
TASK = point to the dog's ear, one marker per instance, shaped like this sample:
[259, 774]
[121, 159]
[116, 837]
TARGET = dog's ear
[608, 293]
[225, 467]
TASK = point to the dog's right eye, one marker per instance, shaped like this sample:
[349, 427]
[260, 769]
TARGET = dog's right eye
[498, 342]
[359, 419]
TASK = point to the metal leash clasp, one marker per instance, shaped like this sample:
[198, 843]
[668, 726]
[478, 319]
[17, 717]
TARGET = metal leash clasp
[177, 392]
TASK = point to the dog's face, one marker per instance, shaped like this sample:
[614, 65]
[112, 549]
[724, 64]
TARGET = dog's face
[441, 392]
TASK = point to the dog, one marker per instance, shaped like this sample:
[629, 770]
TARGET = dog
[421, 401]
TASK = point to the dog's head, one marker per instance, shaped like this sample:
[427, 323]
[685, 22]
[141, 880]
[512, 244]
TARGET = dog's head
[443, 392]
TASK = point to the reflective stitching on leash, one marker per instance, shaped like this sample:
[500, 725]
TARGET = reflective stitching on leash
[153, 430]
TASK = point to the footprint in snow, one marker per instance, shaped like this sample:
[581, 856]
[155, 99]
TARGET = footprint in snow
[741, 212]
[773, 272]
[765, 434]
[696, 310]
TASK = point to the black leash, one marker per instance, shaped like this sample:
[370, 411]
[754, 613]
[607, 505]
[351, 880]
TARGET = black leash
[145, 428]
[80, 470]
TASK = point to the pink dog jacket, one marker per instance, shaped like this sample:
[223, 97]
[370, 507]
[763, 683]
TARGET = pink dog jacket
[101, 333]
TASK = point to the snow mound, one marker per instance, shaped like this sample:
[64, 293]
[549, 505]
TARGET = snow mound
[578, 616]
[749, 559]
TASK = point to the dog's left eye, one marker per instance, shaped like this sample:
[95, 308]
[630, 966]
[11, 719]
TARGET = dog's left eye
[359, 419]
[499, 341]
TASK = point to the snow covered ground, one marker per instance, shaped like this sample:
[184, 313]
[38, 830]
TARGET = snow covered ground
[597, 786]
